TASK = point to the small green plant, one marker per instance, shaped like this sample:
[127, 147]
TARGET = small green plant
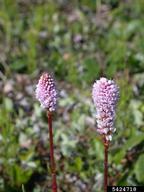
[16, 160]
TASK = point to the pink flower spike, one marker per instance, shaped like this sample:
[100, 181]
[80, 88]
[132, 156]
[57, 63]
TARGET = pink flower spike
[105, 94]
[46, 92]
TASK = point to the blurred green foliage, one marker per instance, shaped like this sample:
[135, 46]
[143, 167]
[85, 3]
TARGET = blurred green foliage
[78, 41]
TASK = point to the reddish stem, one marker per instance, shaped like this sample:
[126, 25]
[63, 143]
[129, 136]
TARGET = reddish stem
[106, 145]
[52, 160]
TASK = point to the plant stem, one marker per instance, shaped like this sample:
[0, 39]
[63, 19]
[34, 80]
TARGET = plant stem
[106, 145]
[52, 161]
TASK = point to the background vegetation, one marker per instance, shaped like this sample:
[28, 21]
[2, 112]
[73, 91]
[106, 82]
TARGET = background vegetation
[78, 41]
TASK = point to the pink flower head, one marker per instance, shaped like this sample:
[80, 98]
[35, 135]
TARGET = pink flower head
[105, 94]
[46, 92]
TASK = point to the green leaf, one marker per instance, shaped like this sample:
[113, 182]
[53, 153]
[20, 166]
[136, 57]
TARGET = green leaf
[92, 69]
[8, 104]
[18, 65]
[130, 143]
[133, 141]
[23, 190]
[139, 169]
[137, 114]
[117, 158]
[78, 164]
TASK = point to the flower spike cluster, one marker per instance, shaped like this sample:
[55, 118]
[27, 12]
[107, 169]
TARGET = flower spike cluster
[46, 92]
[105, 94]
